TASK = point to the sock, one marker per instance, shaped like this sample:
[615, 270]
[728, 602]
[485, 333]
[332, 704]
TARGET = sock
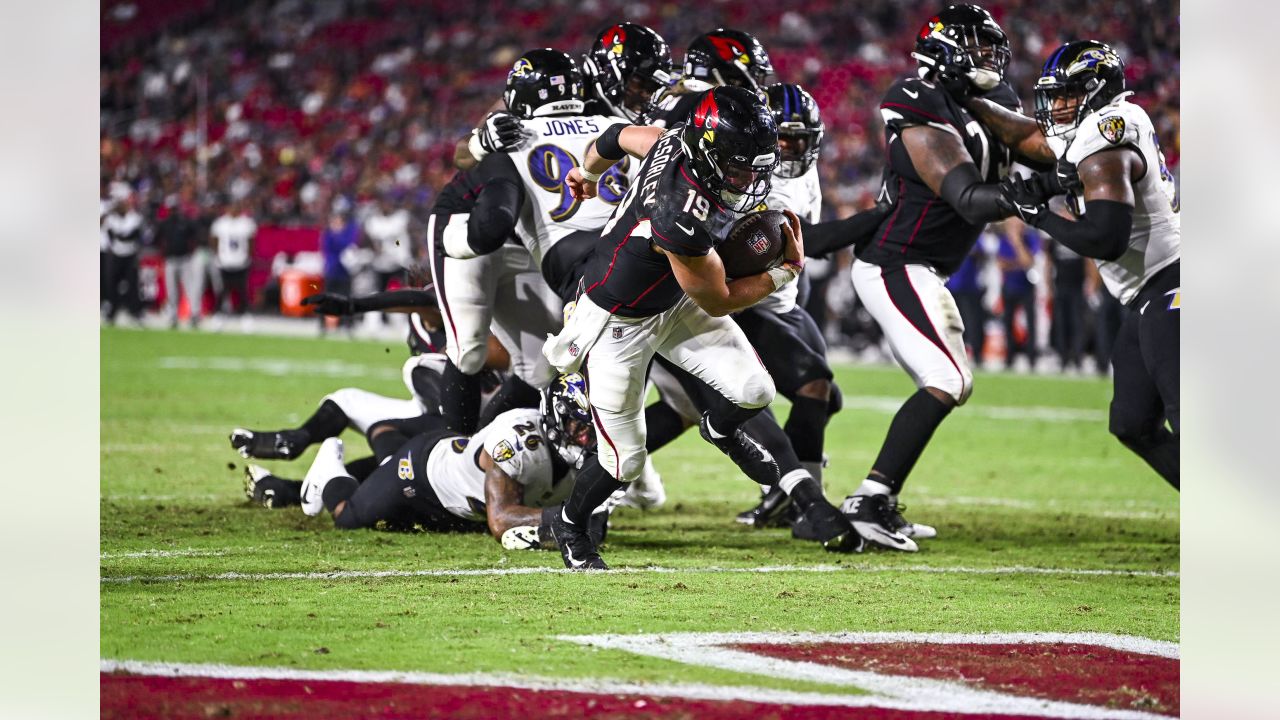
[1160, 450]
[909, 433]
[591, 488]
[339, 489]
[512, 394]
[327, 421]
[360, 469]
[805, 492]
[386, 443]
[814, 469]
[664, 425]
[460, 399]
[873, 487]
[806, 426]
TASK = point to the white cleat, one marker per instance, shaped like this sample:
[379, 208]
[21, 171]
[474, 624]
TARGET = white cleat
[871, 516]
[328, 465]
[647, 493]
[918, 531]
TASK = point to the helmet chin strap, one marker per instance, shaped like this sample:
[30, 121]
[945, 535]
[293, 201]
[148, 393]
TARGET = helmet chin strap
[984, 79]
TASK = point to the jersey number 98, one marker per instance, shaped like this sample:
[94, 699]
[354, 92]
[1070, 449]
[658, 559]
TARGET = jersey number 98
[549, 166]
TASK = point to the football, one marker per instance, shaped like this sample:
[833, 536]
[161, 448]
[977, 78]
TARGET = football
[754, 244]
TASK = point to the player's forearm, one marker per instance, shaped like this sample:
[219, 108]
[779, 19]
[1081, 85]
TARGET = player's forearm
[977, 202]
[821, 239]
[502, 518]
[1102, 232]
[462, 157]
[395, 301]
[1013, 129]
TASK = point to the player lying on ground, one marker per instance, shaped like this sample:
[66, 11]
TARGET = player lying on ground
[1127, 218]
[508, 478]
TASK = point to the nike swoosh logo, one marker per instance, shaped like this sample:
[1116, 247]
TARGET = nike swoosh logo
[573, 562]
[912, 93]
[687, 230]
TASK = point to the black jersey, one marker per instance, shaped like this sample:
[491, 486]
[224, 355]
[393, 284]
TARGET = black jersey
[665, 207]
[922, 228]
[459, 194]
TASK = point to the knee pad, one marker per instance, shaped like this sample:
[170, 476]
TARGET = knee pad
[1130, 427]
[835, 403]
[758, 391]
[959, 385]
[344, 399]
[470, 360]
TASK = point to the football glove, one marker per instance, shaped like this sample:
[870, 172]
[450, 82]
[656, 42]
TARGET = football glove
[327, 303]
[1064, 178]
[1025, 198]
[500, 132]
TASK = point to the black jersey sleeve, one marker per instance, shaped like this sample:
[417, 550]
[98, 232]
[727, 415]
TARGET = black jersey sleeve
[912, 101]
[680, 233]
[497, 207]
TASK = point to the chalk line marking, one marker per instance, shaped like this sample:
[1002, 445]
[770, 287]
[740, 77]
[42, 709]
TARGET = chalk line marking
[541, 570]
[279, 367]
[889, 691]
[190, 552]
[891, 405]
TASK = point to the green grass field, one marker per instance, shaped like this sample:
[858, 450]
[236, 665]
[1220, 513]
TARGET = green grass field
[1024, 476]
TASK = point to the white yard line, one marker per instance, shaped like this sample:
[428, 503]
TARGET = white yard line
[189, 552]
[542, 570]
[279, 367]
[891, 404]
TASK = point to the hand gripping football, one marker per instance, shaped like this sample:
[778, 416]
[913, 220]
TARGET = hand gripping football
[754, 244]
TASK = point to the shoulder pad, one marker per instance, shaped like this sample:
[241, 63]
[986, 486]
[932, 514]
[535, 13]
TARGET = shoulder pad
[912, 101]
[1113, 126]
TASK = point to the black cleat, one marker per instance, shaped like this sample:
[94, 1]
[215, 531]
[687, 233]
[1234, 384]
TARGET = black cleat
[873, 516]
[824, 523]
[577, 549]
[263, 488]
[750, 456]
[283, 445]
[774, 510]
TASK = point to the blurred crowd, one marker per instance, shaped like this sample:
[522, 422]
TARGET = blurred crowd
[295, 111]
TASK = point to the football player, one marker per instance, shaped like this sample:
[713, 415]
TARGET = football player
[941, 187]
[714, 59]
[507, 477]
[662, 290]
[1127, 218]
[626, 66]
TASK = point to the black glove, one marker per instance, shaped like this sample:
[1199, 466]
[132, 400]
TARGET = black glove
[501, 131]
[328, 303]
[1025, 198]
[1064, 178]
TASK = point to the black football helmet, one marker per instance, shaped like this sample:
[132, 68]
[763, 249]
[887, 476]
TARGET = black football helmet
[627, 65]
[566, 418]
[800, 128]
[732, 144]
[963, 41]
[544, 82]
[1078, 78]
[728, 57]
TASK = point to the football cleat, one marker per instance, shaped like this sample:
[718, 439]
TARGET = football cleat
[255, 492]
[775, 509]
[523, 537]
[905, 526]
[755, 461]
[577, 549]
[283, 445]
[328, 465]
[647, 493]
[824, 523]
[872, 517]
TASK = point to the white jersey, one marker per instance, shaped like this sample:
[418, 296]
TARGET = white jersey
[390, 237]
[803, 197]
[556, 146]
[124, 228]
[514, 441]
[1156, 239]
[233, 233]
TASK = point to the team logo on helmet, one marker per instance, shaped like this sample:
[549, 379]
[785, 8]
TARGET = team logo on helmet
[729, 49]
[1112, 128]
[934, 25]
[521, 68]
[707, 114]
[1091, 58]
[613, 39]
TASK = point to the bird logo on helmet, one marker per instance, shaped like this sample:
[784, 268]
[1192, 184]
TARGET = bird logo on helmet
[566, 418]
[613, 38]
[726, 57]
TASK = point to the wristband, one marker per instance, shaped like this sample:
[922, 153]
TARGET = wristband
[477, 150]
[588, 175]
[783, 274]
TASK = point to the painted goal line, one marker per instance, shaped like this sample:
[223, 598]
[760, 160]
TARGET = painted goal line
[481, 572]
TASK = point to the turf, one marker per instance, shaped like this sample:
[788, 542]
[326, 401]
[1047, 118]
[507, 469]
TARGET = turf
[1024, 476]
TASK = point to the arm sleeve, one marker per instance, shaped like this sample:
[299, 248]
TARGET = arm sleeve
[607, 144]
[821, 239]
[497, 207]
[394, 298]
[1102, 232]
[977, 202]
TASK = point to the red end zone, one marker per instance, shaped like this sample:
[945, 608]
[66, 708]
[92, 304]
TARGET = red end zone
[134, 696]
[1070, 672]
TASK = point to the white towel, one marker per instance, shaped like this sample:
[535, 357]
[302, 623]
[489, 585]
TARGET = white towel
[582, 328]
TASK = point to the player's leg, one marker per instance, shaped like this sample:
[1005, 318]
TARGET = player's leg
[464, 291]
[1160, 335]
[172, 286]
[919, 317]
[348, 407]
[262, 487]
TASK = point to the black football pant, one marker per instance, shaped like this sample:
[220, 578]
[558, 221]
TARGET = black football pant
[399, 496]
[1025, 299]
[236, 281]
[122, 288]
[1146, 364]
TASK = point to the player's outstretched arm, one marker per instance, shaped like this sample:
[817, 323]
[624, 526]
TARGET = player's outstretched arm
[502, 500]
[703, 279]
[1104, 229]
[612, 145]
[947, 168]
[1021, 133]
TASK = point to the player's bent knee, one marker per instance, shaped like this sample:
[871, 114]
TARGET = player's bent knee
[952, 386]
[632, 467]
[1130, 427]
[344, 399]
[819, 389]
[470, 360]
[758, 391]
[835, 402]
